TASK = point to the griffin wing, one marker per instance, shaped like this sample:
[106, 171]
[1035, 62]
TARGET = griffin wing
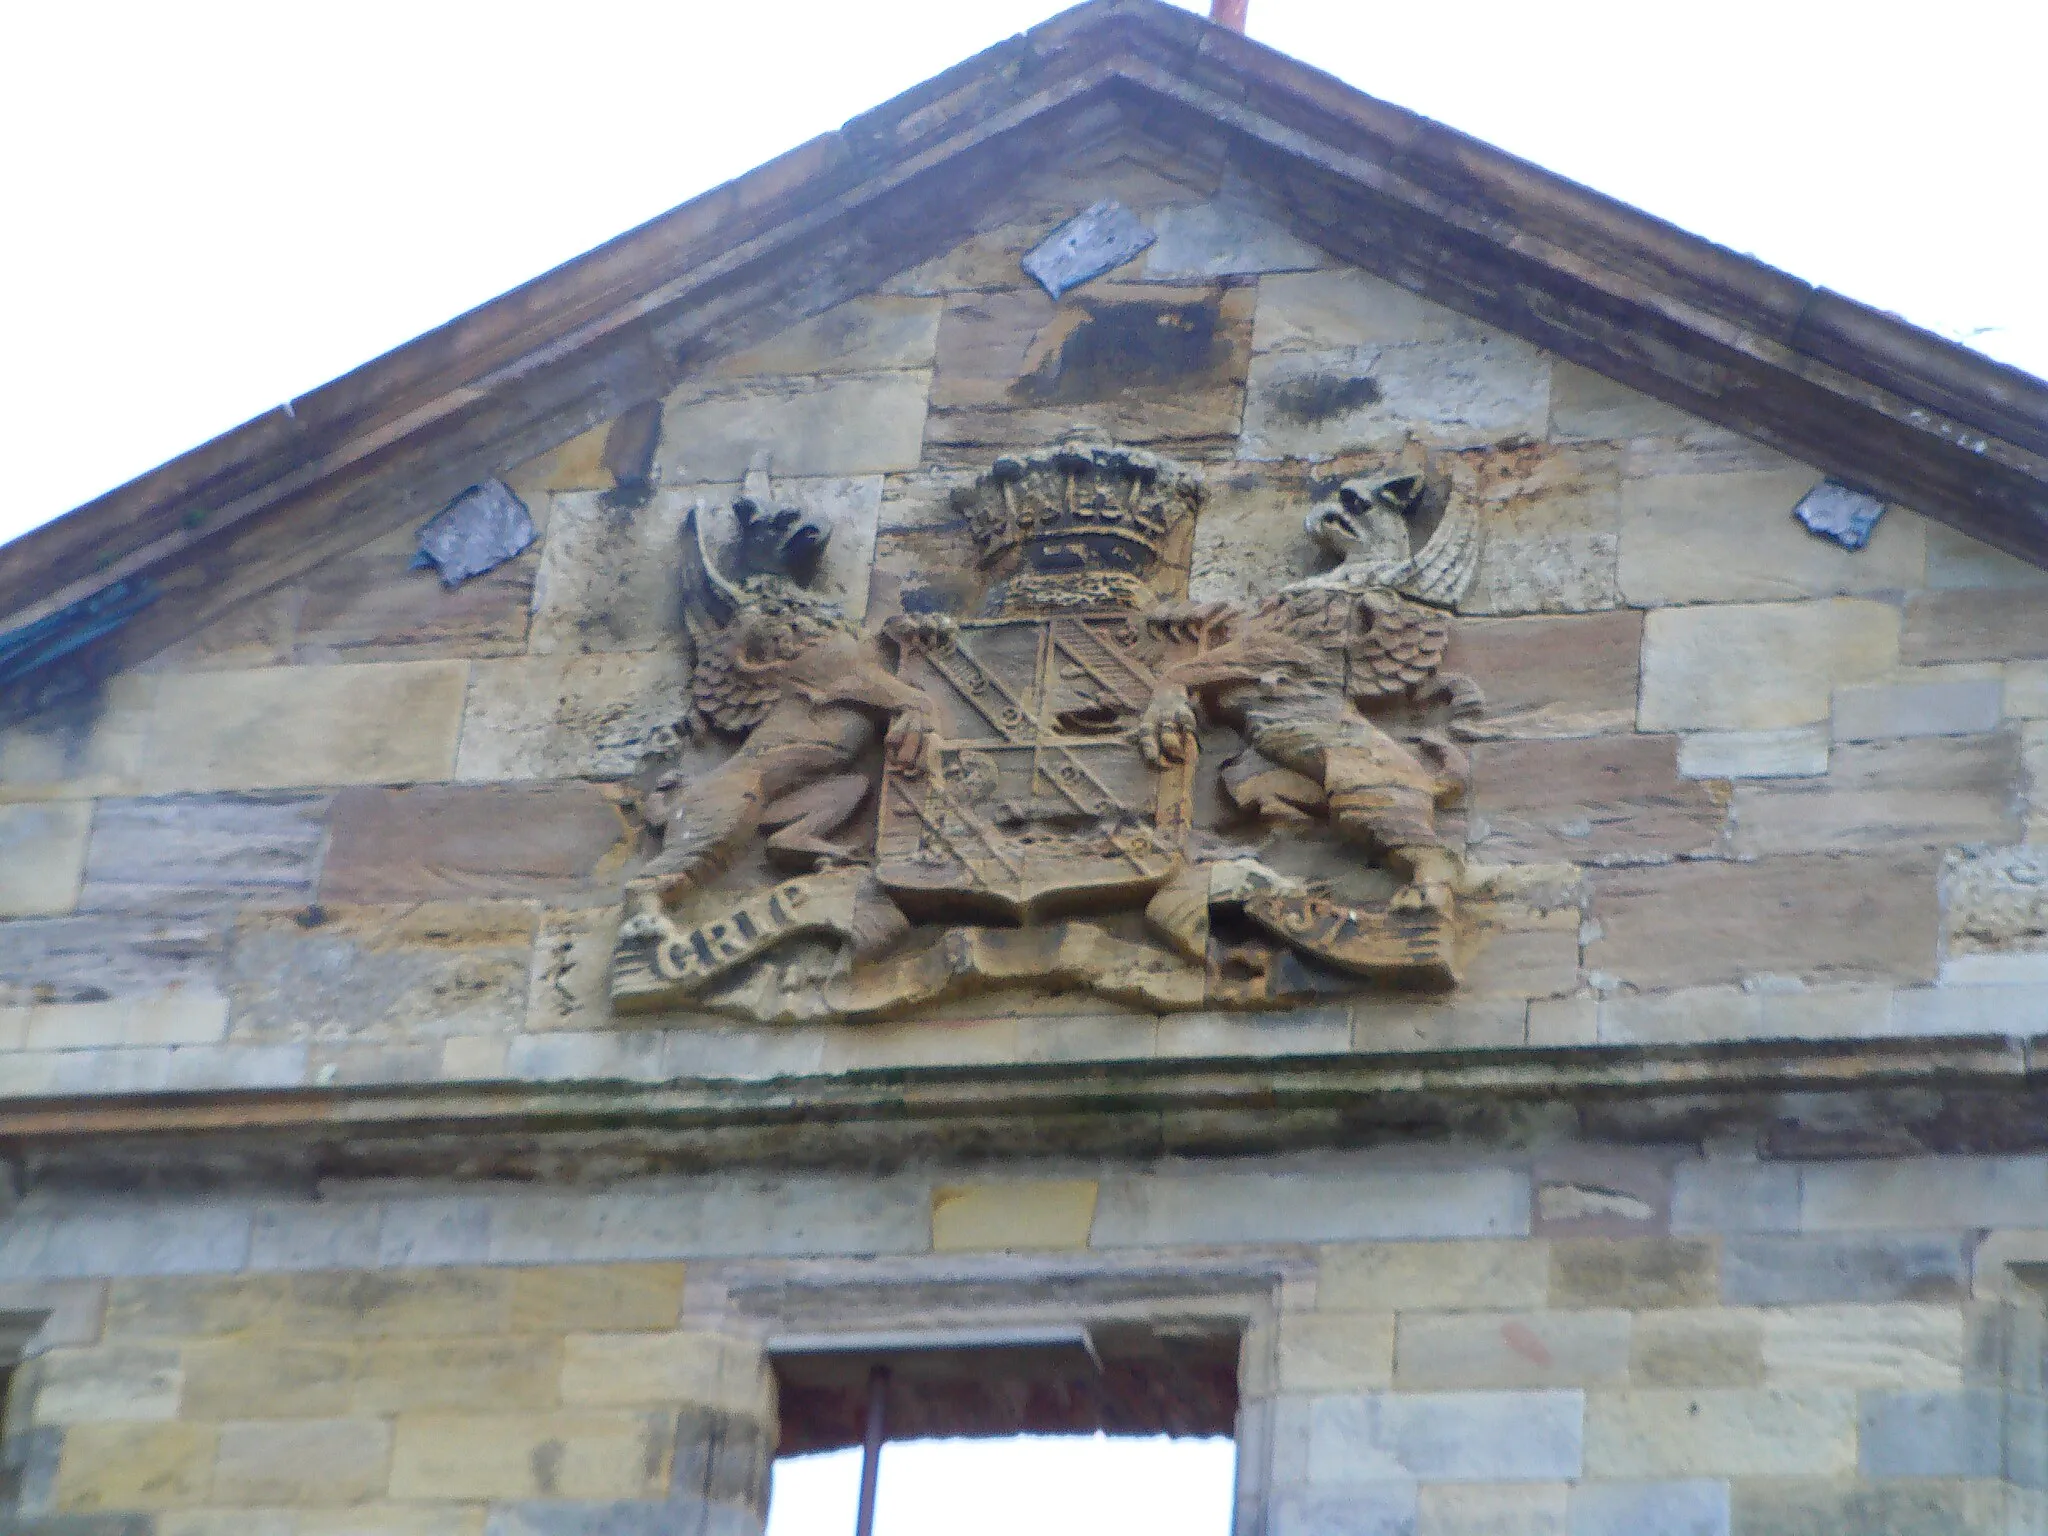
[1395, 646]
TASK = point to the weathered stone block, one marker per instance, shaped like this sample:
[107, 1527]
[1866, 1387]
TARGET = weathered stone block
[373, 605]
[449, 841]
[1145, 362]
[2026, 690]
[1975, 626]
[565, 717]
[1221, 239]
[1336, 1351]
[266, 1378]
[1475, 1509]
[176, 1018]
[1949, 701]
[1043, 1213]
[1602, 1191]
[576, 1298]
[1589, 405]
[1447, 1277]
[1955, 560]
[90, 748]
[1447, 1437]
[1606, 800]
[1882, 794]
[1514, 1349]
[482, 1374]
[1311, 1207]
[523, 1456]
[1732, 1196]
[286, 727]
[382, 972]
[193, 852]
[1846, 918]
[125, 1237]
[1731, 538]
[1895, 1347]
[874, 333]
[134, 1466]
[1901, 1194]
[1694, 1508]
[425, 1303]
[1810, 1507]
[186, 1308]
[1369, 1509]
[1549, 518]
[1804, 1271]
[1931, 1434]
[611, 1370]
[1564, 676]
[1761, 666]
[122, 1381]
[42, 856]
[1710, 1347]
[846, 424]
[1460, 393]
[1798, 752]
[1345, 307]
[302, 1461]
[1719, 1432]
[1633, 1272]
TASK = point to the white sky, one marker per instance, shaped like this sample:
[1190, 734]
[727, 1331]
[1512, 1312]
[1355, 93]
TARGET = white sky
[1025, 1486]
[216, 205]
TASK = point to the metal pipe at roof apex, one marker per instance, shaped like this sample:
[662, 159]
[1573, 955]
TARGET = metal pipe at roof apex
[1229, 13]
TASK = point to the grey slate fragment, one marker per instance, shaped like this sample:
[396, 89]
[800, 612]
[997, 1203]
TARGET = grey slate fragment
[481, 529]
[1087, 245]
[1833, 510]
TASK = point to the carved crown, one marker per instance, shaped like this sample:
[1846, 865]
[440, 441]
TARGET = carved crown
[1084, 505]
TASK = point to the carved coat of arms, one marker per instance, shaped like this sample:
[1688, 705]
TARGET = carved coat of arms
[1073, 787]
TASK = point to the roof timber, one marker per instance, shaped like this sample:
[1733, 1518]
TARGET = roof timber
[1860, 394]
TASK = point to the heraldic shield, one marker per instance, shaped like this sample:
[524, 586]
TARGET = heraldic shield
[1035, 800]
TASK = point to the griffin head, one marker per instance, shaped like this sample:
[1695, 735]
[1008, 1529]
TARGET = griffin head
[777, 554]
[1369, 520]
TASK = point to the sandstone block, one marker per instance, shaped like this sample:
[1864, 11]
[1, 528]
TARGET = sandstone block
[579, 1298]
[1602, 1191]
[1446, 1277]
[450, 841]
[119, 1237]
[874, 333]
[1948, 701]
[1310, 1032]
[846, 424]
[92, 748]
[286, 727]
[1564, 1021]
[1693, 1508]
[1565, 676]
[1997, 900]
[302, 1461]
[134, 1466]
[1336, 1351]
[1607, 800]
[42, 856]
[1719, 1432]
[1447, 1437]
[1931, 1434]
[192, 852]
[1460, 393]
[126, 1381]
[1589, 405]
[1836, 918]
[1708, 1347]
[565, 717]
[445, 1229]
[1346, 307]
[1302, 1207]
[195, 1307]
[1248, 538]
[1367, 1509]
[1512, 1349]
[1549, 518]
[1797, 753]
[1897, 1195]
[425, 1303]
[177, 1018]
[1805, 1271]
[1731, 538]
[1145, 362]
[569, 983]
[1638, 1273]
[1044, 1213]
[373, 605]
[1761, 666]
[481, 1374]
[523, 1456]
[1975, 626]
[471, 1058]
[382, 973]
[1219, 239]
[1882, 794]
[1517, 963]
[601, 1055]
[1733, 1196]
[2026, 690]
[1475, 1509]
[613, 1370]
[1955, 560]
[267, 1378]
[1896, 1347]
[258, 632]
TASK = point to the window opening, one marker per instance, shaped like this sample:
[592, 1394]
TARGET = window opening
[1093, 1429]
